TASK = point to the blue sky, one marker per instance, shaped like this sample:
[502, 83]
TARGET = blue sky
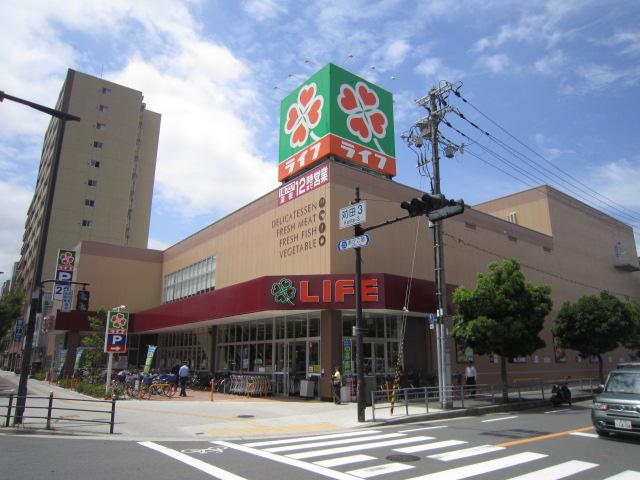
[563, 77]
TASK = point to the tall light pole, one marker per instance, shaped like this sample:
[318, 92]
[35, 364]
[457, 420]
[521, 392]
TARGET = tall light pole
[36, 287]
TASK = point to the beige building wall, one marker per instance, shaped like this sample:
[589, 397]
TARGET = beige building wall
[120, 275]
[123, 170]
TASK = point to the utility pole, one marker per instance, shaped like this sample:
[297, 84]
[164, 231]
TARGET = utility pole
[437, 109]
[36, 286]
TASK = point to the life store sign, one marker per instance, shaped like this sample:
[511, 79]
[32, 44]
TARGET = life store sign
[340, 114]
[116, 335]
[313, 292]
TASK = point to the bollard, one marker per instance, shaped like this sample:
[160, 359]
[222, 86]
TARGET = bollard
[462, 396]
[373, 406]
[6, 423]
[542, 388]
[212, 386]
[49, 410]
[113, 414]
[426, 398]
[406, 401]
[519, 393]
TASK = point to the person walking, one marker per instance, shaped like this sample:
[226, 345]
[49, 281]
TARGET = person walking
[337, 385]
[470, 378]
[183, 373]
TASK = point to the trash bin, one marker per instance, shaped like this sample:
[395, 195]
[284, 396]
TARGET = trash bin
[307, 388]
[345, 394]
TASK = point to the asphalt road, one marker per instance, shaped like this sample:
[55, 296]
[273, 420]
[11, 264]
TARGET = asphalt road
[539, 444]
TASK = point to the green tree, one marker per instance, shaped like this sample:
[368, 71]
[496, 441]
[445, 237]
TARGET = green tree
[10, 308]
[632, 341]
[94, 356]
[593, 325]
[503, 315]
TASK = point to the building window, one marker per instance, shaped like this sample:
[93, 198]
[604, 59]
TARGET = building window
[86, 223]
[197, 278]
[618, 251]
[103, 108]
[106, 91]
[94, 163]
[97, 145]
[512, 217]
[100, 126]
[89, 203]
[92, 183]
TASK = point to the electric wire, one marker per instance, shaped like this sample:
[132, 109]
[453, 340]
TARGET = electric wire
[571, 177]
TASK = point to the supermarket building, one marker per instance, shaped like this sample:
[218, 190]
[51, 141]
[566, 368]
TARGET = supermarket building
[265, 291]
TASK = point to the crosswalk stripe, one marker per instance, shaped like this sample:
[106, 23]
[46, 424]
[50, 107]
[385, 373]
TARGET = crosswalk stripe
[556, 472]
[466, 452]
[585, 434]
[310, 467]
[429, 446]
[336, 462]
[193, 462]
[344, 441]
[355, 448]
[498, 419]
[380, 470]
[311, 439]
[626, 475]
[423, 428]
[480, 468]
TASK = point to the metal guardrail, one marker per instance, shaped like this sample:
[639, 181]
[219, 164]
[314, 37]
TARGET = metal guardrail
[406, 401]
[51, 409]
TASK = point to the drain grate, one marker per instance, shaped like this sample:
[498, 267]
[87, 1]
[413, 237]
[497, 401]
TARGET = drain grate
[403, 458]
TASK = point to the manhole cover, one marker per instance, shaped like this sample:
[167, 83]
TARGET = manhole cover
[246, 416]
[403, 458]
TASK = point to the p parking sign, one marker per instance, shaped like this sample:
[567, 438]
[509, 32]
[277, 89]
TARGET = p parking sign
[115, 340]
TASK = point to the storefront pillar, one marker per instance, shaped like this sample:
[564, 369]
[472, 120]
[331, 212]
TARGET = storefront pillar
[330, 349]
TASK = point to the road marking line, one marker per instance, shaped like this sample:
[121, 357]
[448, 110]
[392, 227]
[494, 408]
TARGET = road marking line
[380, 470]
[327, 472]
[465, 452]
[429, 446]
[328, 443]
[311, 439]
[336, 462]
[558, 411]
[557, 471]
[498, 419]
[192, 462]
[585, 434]
[626, 475]
[480, 468]
[423, 428]
[544, 437]
[355, 448]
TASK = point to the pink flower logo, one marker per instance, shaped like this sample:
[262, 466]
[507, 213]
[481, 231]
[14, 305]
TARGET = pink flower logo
[304, 115]
[118, 321]
[365, 120]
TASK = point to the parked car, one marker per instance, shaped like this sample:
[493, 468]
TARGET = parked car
[617, 408]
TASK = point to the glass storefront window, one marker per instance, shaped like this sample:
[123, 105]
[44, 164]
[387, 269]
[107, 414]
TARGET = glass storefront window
[348, 322]
[268, 331]
[314, 326]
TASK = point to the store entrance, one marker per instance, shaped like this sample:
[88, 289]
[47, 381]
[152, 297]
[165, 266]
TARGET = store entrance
[290, 366]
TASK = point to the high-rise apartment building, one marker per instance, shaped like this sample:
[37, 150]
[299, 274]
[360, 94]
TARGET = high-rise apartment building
[103, 185]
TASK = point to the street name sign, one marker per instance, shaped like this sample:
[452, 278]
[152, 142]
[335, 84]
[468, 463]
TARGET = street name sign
[354, 242]
[355, 214]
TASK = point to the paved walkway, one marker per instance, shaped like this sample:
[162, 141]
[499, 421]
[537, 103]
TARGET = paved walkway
[196, 416]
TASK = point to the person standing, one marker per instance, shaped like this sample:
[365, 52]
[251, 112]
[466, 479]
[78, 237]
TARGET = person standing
[470, 378]
[183, 373]
[337, 385]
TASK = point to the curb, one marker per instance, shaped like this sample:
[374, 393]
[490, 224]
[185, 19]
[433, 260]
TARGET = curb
[475, 411]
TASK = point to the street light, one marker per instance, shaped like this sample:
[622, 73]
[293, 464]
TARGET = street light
[36, 287]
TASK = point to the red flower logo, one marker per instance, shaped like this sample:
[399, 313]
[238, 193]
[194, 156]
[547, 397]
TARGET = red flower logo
[118, 320]
[304, 115]
[66, 258]
[365, 119]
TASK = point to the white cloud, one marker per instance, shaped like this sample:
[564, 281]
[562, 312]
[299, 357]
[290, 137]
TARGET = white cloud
[15, 202]
[494, 63]
[595, 77]
[544, 145]
[619, 181]
[630, 42]
[156, 244]
[435, 70]
[263, 9]
[550, 64]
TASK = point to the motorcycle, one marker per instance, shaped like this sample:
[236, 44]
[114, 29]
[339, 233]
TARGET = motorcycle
[560, 394]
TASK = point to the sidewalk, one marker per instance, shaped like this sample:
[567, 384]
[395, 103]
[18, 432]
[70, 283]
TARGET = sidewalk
[227, 416]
